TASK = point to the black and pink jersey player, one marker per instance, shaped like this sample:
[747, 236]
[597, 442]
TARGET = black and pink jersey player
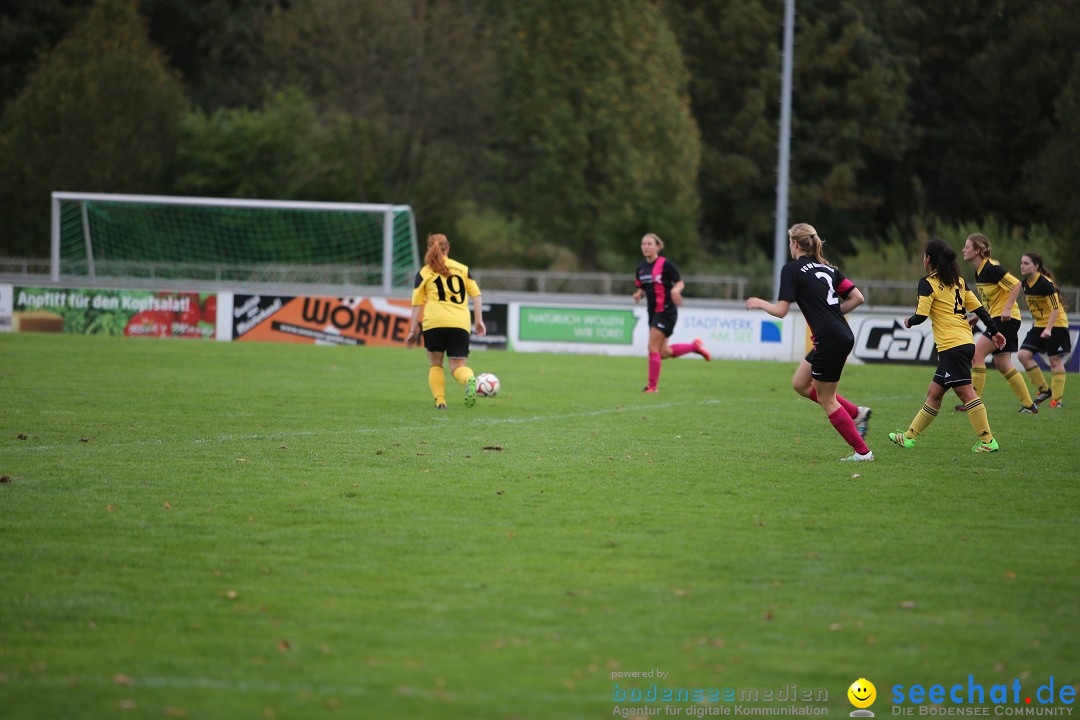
[658, 281]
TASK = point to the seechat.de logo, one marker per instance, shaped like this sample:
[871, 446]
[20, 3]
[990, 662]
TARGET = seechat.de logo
[862, 695]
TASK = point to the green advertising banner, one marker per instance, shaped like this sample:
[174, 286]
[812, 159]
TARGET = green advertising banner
[580, 325]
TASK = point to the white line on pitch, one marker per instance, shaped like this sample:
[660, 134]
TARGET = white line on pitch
[372, 430]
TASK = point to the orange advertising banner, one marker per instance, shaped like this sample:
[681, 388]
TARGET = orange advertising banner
[321, 320]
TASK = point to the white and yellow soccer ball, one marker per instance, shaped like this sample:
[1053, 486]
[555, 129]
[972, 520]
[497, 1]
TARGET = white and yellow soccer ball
[487, 385]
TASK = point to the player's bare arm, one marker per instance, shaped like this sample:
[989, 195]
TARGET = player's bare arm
[1049, 323]
[854, 299]
[413, 338]
[777, 309]
[478, 317]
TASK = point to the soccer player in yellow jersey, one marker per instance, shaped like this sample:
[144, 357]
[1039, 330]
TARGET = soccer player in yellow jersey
[998, 290]
[1051, 332]
[440, 297]
[945, 299]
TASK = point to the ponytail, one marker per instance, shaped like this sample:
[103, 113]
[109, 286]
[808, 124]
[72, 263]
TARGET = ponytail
[981, 243]
[438, 248]
[806, 237]
[943, 262]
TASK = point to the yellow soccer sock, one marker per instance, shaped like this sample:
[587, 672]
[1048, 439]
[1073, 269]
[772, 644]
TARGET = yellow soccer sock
[1018, 386]
[462, 374]
[436, 380]
[1057, 381]
[922, 421]
[1037, 380]
[978, 379]
[976, 415]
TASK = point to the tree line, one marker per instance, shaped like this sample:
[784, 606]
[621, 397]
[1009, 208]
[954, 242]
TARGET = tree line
[554, 133]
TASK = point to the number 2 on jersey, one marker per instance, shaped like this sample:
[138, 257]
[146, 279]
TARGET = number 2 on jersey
[831, 297]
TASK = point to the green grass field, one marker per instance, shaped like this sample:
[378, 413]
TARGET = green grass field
[230, 530]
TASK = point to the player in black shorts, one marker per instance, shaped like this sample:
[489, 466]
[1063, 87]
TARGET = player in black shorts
[1050, 334]
[998, 289]
[824, 295]
[945, 299]
[658, 281]
[440, 310]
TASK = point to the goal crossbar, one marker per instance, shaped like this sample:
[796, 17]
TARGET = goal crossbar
[395, 220]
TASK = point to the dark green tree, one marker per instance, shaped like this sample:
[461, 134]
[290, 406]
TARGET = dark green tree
[988, 75]
[409, 87]
[28, 29]
[213, 45]
[98, 114]
[733, 54]
[597, 138]
[850, 118]
[852, 121]
[1053, 176]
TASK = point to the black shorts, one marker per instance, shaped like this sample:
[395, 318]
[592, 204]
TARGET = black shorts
[828, 358]
[452, 341]
[1011, 330]
[664, 321]
[954, 366]
[1059, 342]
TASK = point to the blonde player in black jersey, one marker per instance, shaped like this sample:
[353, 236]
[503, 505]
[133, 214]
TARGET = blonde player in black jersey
[1051, 332]
[945, 299]
[998, 289]
[440, 296]
[824, 295]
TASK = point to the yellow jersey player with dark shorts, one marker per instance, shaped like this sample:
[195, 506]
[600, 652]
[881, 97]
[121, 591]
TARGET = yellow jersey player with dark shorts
[998, 289]
[946, 300]
[1050, 336]
[440, 297]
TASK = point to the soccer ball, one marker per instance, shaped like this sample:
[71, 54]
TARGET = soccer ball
[487, 385]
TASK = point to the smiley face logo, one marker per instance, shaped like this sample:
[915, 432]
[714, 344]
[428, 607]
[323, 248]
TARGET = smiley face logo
[862, 693]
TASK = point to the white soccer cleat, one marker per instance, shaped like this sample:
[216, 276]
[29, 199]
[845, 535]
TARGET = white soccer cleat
[856, 457]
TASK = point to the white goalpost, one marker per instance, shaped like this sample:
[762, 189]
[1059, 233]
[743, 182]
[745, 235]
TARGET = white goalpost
[103, 235]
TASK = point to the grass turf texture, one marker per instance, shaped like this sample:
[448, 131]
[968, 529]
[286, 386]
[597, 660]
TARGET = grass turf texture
[226, 530]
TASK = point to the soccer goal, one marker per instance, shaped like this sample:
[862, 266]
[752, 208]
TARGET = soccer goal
[104, 236]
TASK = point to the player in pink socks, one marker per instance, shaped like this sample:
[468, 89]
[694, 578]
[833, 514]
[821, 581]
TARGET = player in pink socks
[824, 295]
[658, 281]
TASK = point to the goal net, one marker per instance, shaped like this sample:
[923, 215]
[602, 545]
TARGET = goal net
[98, 236]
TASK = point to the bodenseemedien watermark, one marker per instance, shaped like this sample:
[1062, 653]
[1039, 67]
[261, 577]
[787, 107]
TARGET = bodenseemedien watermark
[693, 701]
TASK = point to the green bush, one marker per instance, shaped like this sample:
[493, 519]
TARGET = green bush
[897, 255]
[486, 238]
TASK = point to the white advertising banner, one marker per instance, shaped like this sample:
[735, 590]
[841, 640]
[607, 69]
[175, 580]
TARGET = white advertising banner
[621, 330]
[882, 338]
